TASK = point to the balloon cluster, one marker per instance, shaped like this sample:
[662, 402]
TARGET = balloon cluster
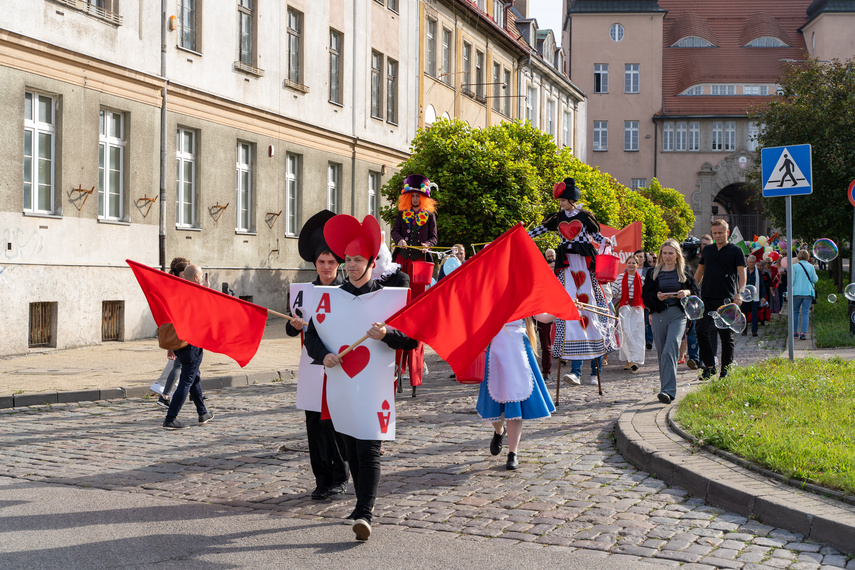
[767, 248]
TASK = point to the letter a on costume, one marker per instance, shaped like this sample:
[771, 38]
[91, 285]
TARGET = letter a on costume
[323, 308]
[384, 416]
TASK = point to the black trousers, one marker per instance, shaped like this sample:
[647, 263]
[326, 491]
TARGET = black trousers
[707, 333]
[363, 457]
[326, 451]
[544, 334]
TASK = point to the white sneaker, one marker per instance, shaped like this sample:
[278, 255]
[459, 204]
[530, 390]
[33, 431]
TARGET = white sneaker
[594, 380]
[571, 379]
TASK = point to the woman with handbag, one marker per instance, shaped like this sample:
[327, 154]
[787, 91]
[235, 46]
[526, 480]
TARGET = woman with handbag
[803, 294]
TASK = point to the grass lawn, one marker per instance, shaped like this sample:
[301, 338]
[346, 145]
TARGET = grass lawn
[830, 321]
[796, 418]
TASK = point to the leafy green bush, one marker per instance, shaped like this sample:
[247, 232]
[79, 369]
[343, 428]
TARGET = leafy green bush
[830, 320]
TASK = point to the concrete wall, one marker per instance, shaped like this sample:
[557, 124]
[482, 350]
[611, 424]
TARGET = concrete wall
[830, 36]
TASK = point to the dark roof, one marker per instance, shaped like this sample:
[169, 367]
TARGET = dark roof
[819, 6]
[620, 6]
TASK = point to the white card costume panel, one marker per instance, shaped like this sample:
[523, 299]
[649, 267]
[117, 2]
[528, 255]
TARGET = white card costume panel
[310, 377]
[360, 391]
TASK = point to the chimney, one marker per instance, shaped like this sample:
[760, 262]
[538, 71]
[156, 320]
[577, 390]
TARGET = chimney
[522, 7]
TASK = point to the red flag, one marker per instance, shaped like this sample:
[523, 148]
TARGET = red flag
[201, 316]
[507, 280]
[628, 241]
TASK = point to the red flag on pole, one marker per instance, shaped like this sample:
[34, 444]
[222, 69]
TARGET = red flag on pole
[628, 241]
[507, 280]
[201, 316]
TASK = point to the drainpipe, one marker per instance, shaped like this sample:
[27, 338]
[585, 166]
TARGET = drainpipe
[655, 148]
[162, 221]
[353, 120]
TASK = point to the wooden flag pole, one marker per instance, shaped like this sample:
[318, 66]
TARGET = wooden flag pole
[284, 316]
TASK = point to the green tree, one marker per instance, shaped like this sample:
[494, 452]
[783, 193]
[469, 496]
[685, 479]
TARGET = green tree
[816, 106]
[676, 212]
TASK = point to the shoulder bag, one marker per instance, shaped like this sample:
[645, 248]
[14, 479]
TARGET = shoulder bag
[812, 288]
[167, 338]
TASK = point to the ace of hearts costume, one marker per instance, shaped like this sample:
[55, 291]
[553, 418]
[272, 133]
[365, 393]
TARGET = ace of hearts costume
[575, 263]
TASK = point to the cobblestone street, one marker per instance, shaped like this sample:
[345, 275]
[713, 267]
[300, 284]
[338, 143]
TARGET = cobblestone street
[573, 489]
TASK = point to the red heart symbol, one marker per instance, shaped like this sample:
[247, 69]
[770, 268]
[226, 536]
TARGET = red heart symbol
[355, 361]
[585, 321]
[582, 298]
[320, 318]
[579, 278]
[570, 229]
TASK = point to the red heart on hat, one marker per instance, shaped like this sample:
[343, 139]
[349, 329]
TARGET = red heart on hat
[570, 229]
[355, 361]
[346, 236]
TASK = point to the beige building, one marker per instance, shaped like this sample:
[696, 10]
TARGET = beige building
[273, 111]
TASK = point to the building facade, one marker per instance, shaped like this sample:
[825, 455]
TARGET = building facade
[273, 111]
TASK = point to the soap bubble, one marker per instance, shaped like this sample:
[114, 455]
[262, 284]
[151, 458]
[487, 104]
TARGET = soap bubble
[785, 295]
[761, 344]
[748, 293]
[849, 291]
[624, 311]
[832, 298]
[824, 250]
[730, 317]
[693, 306]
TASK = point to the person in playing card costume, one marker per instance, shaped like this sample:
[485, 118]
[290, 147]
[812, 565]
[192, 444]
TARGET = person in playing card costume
[513, 389]
[326, 446]
[360, 385]
[575, 263]
[415, 226]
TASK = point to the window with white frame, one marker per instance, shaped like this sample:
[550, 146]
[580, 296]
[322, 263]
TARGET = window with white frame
[376, 90]
[531, 106]
[694, 90]
[630, 135]
[616, 32]
[637, 183]
[185, 178]
[393, 5]
[667, 136]
[497, 88]
[694, 136]
[631, 78]
[692, 42]
[187, 24]
[333, 181]
[479, 73]
[447, 71]
[466, 84]
[601, 136]
[482, 5]
[505, 96]
[722, 89]
[550, 118]
[680, 136]
[244, 187]
[766, 42]
[391, 91]
[717, 132]
[753, 135]
[295, 40]
[755, 89]
[373, 192]
[730, 135]
[111, 151]
[39, 148]
[430, 61]
[335, 66]
[499, 12]
[293, 174]
[567, 129]
[245, 32]
[601, 78]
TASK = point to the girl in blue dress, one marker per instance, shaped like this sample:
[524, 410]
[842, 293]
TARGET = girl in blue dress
[513, 389]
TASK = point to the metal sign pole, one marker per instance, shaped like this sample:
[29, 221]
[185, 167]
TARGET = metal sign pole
[790, 322]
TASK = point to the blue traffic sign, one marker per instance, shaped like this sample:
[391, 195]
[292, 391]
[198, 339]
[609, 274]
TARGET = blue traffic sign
[787, 171]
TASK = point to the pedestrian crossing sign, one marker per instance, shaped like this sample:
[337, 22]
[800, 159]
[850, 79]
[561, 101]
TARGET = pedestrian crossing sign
[787, 171]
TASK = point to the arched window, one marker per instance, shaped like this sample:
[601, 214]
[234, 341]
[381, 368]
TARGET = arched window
[616, 32]
[766, 42]
[692, 42]
[430, 115]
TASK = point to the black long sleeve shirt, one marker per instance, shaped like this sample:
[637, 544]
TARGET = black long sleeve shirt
[291, 331]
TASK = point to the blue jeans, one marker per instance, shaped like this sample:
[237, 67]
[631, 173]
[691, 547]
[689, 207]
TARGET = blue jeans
[692, 342]
[668, 328]
[576, 366]
[190, 382]
[751, 311]
[648, 330]
[801, 312]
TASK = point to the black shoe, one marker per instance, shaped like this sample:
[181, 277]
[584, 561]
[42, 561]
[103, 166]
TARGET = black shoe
[174, 424]
[708, 373]
[337, 491]
[664, 398]
[351, 517]
[512, 461]
[753, 333]
[319, 494]
[163, 402]
[723, 372]
[496, 442]
[206, 417]
[648, 345]
[362, 529]
[745, 332]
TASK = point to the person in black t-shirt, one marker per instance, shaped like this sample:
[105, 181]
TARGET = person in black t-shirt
[721, 273]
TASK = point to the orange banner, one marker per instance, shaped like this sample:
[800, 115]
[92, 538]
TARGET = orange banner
[628, 240]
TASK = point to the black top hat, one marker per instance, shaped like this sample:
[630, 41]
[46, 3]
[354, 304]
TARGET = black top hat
[311, 242]
[567, 189]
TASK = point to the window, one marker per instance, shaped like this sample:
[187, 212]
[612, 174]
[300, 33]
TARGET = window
[292, 193]
[335, 66]
[244, 187]
[668, 136]
[630, 135]
[185, 178]
[550, 117]
[497, 88]
[376, 71]
[692, 42]
[430, 63]
[755, 89]
[499, 12]
[245, 33]
[481, 5]
[333, 177]
[637, 183]
[722, 89]
[680, 136]
[631, 78]
[111, 149]
[479, 74]
[531, 106]
[187, 24]
[694, 90]
[506, 98]
[107, 10]
[467, 68]
[716, 141]
[753, 135]
[601, 78]
[567, 129]
[766, 42]
[295, 20]
[694, 135]
[373, 191]
[393, 5]
[729, 135]
[39, 144]
[446, 56]
[601, 135]
[42, 329]
[616, 32]
[392, 91]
